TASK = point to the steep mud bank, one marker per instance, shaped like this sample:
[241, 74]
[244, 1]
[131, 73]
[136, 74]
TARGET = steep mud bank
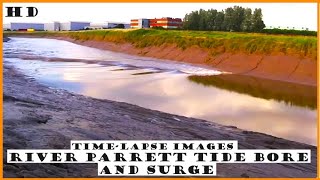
[275, 66]
[39, 117]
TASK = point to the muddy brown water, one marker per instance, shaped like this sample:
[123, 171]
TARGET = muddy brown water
[277, 108]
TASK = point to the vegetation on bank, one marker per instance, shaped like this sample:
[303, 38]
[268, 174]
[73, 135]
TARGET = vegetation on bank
[289, 32]
[215, 42]
[235, 18]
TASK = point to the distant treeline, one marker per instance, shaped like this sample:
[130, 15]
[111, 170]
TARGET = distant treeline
[289, 32]
[235, 18]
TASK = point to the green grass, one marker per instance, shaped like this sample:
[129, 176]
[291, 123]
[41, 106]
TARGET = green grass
[290, 32]
[214, 42]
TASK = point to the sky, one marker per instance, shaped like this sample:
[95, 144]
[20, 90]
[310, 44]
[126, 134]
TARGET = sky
[298, 15]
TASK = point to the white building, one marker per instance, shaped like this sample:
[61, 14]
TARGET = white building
[98, 25]
[93, 27]
[6, 27]
[54, 26]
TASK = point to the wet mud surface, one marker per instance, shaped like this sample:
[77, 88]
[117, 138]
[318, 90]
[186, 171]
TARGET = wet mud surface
[39, 117]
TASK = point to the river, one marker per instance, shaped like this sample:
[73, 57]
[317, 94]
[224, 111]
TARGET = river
[280, 109]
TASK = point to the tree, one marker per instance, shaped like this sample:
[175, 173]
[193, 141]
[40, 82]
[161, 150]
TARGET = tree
[203, 19]
[192, 21]
[228, 19]
[237, 18]
[211, 15]
[246, 25]
[219, 22]
[257, 22]
[186, 22]
[234, 18]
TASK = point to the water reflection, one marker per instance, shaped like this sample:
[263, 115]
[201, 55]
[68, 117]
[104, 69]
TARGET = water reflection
[290, 93]
[247, 103]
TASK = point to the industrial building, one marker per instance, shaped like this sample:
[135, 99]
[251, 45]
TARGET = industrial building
[108, 25]
[73, 26]
[54, 26]
[96, 25]
[6, 27]
[166, 22]
[116, 24]
[139, 23]
[17, 26]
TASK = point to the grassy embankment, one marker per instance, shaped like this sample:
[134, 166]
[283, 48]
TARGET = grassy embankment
[215, 42]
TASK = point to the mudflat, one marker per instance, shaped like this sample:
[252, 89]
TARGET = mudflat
[40, 117]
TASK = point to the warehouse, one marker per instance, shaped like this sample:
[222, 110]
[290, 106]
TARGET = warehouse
[54, 26]
[73, 26]
[139, 23]
[25, 26]
[6, 27]
[98, 25]
[108, 25]
[166, 22]
[118, 24]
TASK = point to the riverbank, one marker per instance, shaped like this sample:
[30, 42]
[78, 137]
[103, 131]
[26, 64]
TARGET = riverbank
[276, 57]
[39, 117]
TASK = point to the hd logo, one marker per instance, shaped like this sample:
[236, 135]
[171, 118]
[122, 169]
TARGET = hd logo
[16, 11]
